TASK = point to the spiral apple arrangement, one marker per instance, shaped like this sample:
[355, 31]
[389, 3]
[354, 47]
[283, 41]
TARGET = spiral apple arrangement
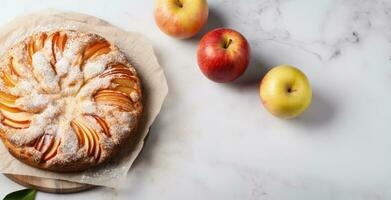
[223, 56]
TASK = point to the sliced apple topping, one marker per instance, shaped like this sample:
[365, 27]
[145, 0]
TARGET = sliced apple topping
[17, 120]
[124, 79]
[97, 49]
[103, 125]
[37, 42]
[118, 70]
[52, 151]
[126, 90]
[92, 51]
[15, 125]
[15, 67]
[43, 142]
[58, 44]
[7, 99]
[23, 117]
[116, 98]
[87, 137]
[61, 41]
[48, 145]
[8, 80]
[12, 115]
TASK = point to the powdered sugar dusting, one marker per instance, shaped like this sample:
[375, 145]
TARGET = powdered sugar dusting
[33, 102]
[62, 66]
[44, 73]
[93, 86]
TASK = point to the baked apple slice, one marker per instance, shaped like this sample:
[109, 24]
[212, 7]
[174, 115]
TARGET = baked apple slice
[8, 80]
[48, 145]
[44, 143]
[15, 125]
[87, 137]
[97, 49]
[103, 125]
[58, 44]
[117, 71]
[113, 97]
[79, 133]
[51, 151]
[61, 41]
[13, 116]
[7, 99]
[37, 42]
[21, 116]
[123, 78]
[93, 50]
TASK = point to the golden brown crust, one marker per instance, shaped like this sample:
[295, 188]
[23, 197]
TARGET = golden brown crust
[68, 100]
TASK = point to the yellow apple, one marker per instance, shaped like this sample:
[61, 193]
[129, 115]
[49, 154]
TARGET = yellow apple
[181, 18]
[285, 91]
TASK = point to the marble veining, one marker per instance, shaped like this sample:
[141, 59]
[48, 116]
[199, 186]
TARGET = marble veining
[339, 23]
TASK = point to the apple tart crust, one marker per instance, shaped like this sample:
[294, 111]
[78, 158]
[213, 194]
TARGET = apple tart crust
[68, 100]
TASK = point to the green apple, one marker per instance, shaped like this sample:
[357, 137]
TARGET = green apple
[285, 91]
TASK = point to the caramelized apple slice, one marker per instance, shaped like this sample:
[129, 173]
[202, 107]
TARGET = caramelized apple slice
[15, 125]
[92, 51]
[51, 151]
[126, 90]
[126, 73]
[114, 98]
[123, 78]
[13, 116]
[97, 152]
[31, 51]
[62, 41]
[95, 137]
[48, 145]
[125, 81]
[96, 49]
[45, 143]
[22, 117]
[78, 61]
[79, 133]
[7, 99]
[87, 132]
[37, 42]
[39, 143]
[103, 124]
[111, 93]
[8, 80]
[58, 44]
[119, 66]
[15, 67]
[87, 136]
[9, 109]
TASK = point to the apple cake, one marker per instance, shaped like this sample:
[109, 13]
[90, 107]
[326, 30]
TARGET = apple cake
[68, 100]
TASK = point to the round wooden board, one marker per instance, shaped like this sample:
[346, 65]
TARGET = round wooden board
[49, 185]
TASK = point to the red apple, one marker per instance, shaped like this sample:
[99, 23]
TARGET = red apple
[223, 55]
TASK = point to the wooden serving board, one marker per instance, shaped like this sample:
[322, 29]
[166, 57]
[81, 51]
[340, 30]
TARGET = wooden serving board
[49, 185]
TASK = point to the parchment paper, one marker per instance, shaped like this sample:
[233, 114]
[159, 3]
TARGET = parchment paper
[141, 56]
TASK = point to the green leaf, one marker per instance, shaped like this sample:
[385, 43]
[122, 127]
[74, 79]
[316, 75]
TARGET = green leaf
[26, 194]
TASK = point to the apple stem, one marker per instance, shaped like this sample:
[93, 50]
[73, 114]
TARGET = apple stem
[290, 90]
[226, 45]
[179, 3]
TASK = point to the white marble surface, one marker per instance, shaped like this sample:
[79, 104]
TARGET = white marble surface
[215, 141]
